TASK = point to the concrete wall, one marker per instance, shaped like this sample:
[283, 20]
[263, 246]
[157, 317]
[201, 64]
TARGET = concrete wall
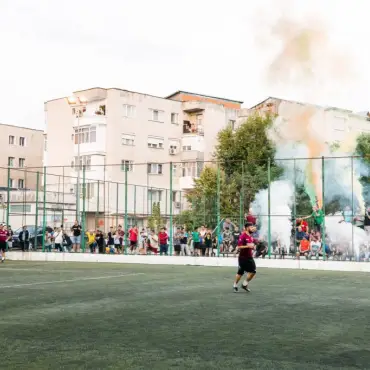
[193, 261]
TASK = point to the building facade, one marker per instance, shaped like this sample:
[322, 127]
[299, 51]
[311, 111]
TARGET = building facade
[163, 144]
[21, 150]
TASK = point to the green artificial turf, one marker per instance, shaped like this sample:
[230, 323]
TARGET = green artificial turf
[172, 317]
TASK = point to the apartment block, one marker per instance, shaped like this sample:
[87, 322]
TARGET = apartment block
[337, 123]
[147, 135]
[22, 151]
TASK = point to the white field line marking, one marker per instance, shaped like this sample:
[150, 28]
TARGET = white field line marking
[70, 280]
[35, 269]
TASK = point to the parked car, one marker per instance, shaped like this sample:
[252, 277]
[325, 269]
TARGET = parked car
[31, 230]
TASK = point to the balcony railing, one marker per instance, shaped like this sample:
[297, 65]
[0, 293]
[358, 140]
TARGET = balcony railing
[189, 128]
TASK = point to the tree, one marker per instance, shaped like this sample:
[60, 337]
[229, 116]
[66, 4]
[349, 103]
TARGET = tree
[244, 154]
[155, 221]
[243, 157]
[363, 150]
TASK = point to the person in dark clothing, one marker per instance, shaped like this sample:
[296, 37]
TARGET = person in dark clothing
[99, 237]
[24, 239]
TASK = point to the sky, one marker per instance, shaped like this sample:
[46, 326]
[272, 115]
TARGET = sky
[51, 48]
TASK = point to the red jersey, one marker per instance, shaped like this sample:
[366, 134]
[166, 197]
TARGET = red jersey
[303, 224]
[163, 237]
[3, 235]
[245, 239]
[133, 235]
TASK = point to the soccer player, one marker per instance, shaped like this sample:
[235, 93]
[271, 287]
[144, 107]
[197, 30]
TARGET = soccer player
[246, 262]
[4, 236]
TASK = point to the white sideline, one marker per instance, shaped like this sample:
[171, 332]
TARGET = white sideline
[193, 261]
[69, 280]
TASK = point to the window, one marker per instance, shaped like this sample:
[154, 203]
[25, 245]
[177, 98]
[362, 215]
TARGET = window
[11, 161]
[157, 115]
[154, 195]
[21, 208]
[186, 148]
[155, 168]
[232, 124]
[127, 165]
[22, 141]
[20, 184]
[21, 162]
[199, 121]
[85, 134]
[192, 169]
[155, 142]
[129, 111]
[85, 160]
[128, 139]
[11, 183]
[174, 196]
[174, 118]
[11, 140]
[174, 170]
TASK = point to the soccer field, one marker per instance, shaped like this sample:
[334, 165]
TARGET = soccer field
[119, 316]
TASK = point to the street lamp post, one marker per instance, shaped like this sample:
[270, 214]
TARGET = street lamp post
[78, 105]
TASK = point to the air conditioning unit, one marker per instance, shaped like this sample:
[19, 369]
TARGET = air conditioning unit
[172, 151]
[177, 205]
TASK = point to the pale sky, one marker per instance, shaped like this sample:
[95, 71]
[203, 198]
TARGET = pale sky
[51, 48]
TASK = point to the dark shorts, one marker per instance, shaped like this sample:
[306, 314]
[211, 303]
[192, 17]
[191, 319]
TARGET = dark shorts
[3, 246]
[196, 245]
[177, 248]
[133, 243]
[246, 265]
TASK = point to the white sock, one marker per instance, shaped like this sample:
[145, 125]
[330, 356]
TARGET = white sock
[235, 285]
[245, 282]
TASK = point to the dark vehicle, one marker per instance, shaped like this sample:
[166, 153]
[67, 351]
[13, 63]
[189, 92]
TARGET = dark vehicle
[31, 230]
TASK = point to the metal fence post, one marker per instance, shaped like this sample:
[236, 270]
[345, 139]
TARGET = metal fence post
[8, 198]
[294, 206]
[37, 200]
[43, 215]
[353, 215]
[83, 216]
[117, 197]
[218, 207]
[126, 219]
[269, 205]
[171, 209]
[323, 206]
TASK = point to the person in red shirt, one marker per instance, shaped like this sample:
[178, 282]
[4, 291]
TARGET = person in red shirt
[163, 239]
[303, 224]
[133, 235]
[249, 217]
[4, 236]
[246, 247]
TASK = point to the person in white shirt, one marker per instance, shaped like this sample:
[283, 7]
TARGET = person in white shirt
[58, 239]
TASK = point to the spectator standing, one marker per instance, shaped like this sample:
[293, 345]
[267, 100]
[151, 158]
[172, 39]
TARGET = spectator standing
[133, 236]
[302, 224]
[367, 221]
[153, 242]
[111, 237]
[117, 242]
[318, 218]
[99, 238]
[24, 239]
[184, 243]
[76, 236]
[249, 217]
[236, 236]
[10, 237]
[58, 240]
[47, 243]
[91, 242]
[208, 242]
[177, 241]
[227, 238]
[163, 239]
[3, 239]
[195, 236]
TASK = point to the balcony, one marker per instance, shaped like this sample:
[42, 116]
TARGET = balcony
[193, 106]
[91, 120]
[192, 128]
[192, 155]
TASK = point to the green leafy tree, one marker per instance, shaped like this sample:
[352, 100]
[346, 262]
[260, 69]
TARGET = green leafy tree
[155, 221]
[363, 150]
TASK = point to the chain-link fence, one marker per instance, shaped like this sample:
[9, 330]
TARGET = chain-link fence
[310, 208]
